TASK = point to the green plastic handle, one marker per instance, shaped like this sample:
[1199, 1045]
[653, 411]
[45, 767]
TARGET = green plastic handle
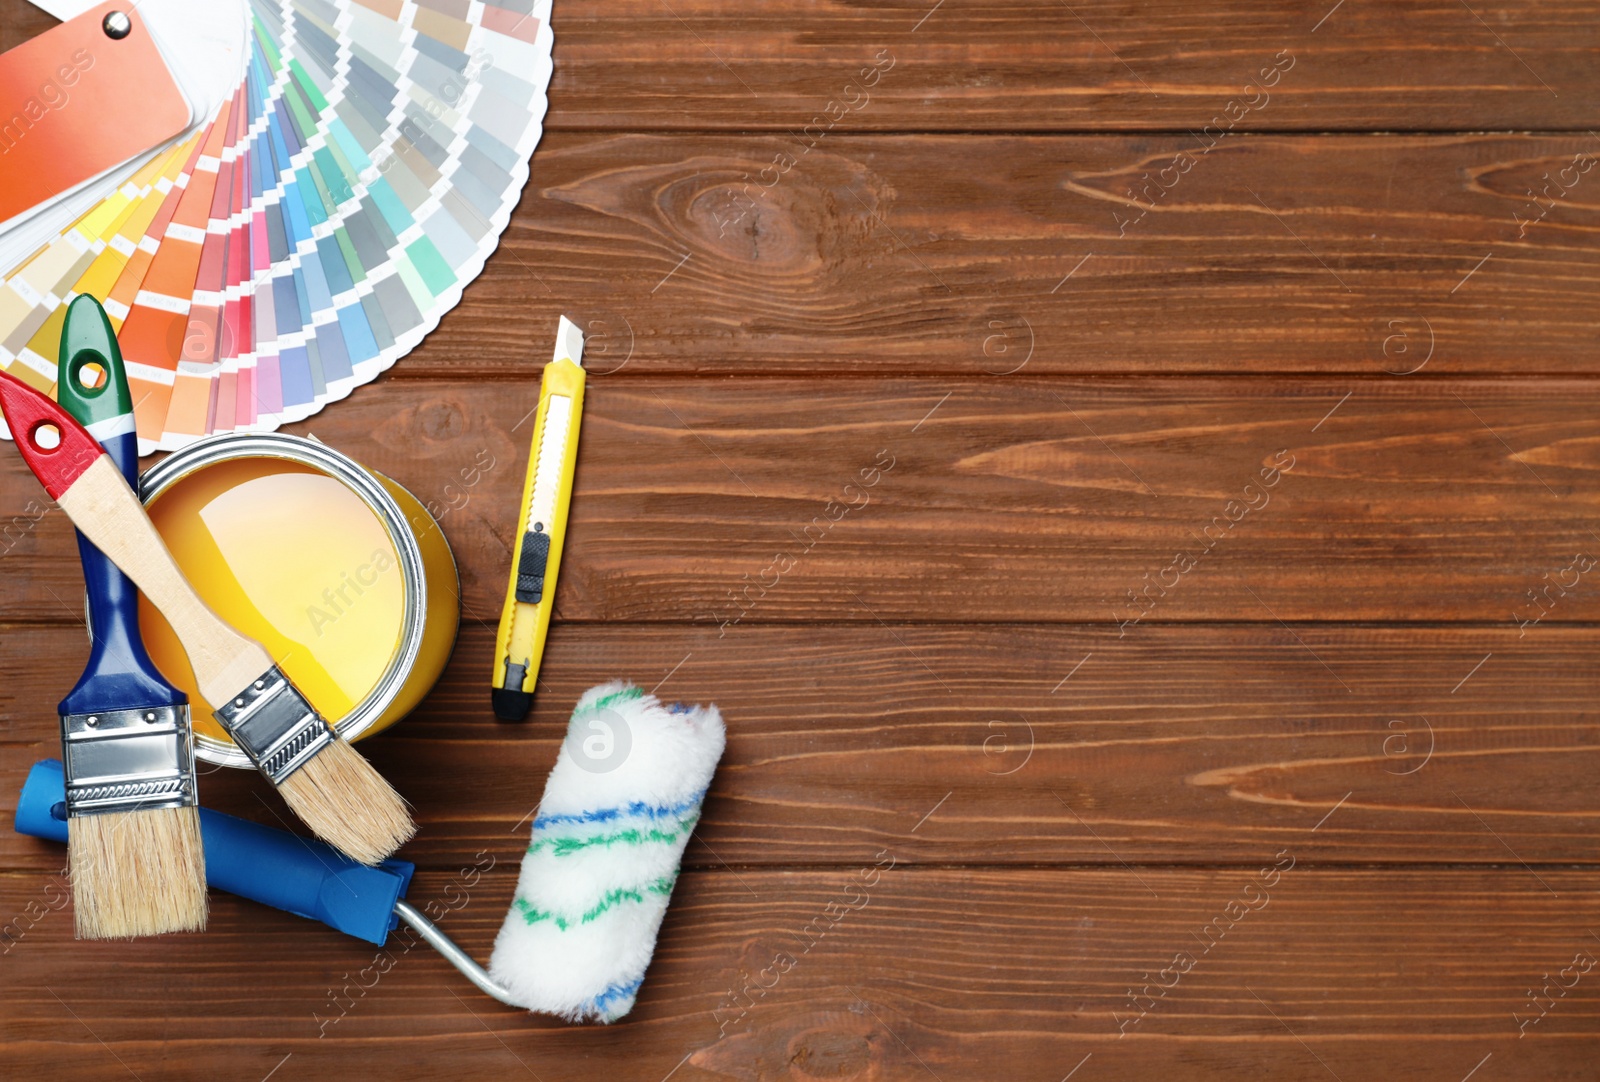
[87, 339]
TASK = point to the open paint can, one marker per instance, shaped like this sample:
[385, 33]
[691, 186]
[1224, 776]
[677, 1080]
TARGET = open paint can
[338, 571]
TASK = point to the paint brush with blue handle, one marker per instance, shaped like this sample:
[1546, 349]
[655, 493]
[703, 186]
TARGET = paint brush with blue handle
[130, 798]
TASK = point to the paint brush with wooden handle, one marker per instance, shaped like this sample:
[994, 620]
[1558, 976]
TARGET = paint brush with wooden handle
[324, 780]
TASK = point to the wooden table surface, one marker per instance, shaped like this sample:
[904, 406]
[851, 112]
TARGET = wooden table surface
[1209, 674]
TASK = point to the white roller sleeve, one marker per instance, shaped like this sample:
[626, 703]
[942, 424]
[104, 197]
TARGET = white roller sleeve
[610, 832]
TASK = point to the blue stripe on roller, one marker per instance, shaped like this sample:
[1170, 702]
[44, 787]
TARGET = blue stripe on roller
[604, 1000]
[637, 808]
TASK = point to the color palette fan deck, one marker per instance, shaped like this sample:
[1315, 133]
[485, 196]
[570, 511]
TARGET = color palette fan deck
[314, 228]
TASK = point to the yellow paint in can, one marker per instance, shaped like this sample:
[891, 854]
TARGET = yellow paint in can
[296, 558]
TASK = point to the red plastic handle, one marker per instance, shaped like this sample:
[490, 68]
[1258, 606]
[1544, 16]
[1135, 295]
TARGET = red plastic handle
[31, 415]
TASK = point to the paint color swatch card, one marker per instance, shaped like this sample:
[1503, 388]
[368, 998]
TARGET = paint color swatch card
[78, 100]
[315, 227]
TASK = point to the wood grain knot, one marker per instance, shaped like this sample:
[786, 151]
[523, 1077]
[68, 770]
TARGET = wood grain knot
[831, 1054]
[440, 419]
[1534, 186]
[769, 225]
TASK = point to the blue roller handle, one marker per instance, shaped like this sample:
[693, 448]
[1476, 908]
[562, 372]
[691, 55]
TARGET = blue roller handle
[119, 674]
[298, 875]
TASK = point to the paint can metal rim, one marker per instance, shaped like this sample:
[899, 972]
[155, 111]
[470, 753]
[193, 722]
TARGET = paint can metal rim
[230, 446]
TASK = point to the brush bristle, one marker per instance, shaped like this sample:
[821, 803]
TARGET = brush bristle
[348, 804]
[137, 873]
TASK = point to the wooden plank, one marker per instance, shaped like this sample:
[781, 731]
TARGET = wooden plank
[1032, 65]
[1039, 745]
[20, 21]
[1003, 499]
[1370, 255]
[883, 254]
[1036, 65]
[942, 970]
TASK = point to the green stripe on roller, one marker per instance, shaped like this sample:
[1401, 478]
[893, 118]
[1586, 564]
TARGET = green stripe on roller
[566, 846]
[613, 898]
[626, 695]
[87, 339]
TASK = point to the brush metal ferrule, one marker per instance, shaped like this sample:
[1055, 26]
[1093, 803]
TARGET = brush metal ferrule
[128, 760]
[275, 725]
